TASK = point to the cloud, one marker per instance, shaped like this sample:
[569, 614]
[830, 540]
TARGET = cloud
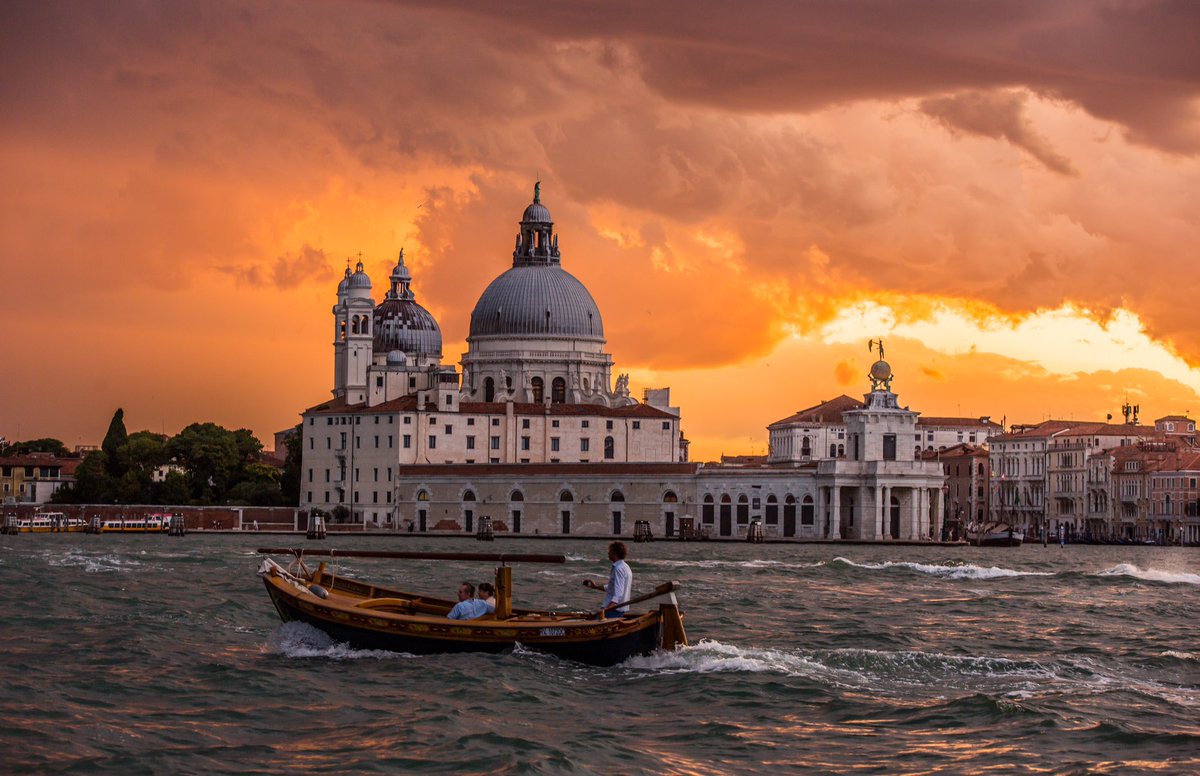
[996, 115]
[288, 271]
[846, 372]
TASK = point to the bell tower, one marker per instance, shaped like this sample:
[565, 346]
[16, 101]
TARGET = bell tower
[352, 322]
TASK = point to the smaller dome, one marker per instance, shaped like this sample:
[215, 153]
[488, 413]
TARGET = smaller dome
[359, 279]
[536, 213]
[345, 281]
[881, 370]
[396, 358]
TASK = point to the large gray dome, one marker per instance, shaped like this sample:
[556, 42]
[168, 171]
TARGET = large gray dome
[539, 300]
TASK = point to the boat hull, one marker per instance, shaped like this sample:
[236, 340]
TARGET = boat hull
[596, 642]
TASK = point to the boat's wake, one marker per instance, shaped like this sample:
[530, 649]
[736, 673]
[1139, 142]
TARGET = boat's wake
[1150, 575]
[301, 640]
[946, 570]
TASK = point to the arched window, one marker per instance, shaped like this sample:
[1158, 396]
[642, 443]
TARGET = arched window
[342, 330]
[538, 388]
[832, 451]
[558, 391]
[566, 496]
[489, 390]
[743, 510]
[805, 447]
[771, 513]
[670, 498]
[707, 511]
[609, 451]
[422, 495]
[516, 495]
[841, 451]
[469, 495]
[617, 496]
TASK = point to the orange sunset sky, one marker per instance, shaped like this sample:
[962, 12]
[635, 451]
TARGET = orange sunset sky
[1007, 192]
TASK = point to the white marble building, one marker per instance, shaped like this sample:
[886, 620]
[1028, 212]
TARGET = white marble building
[537, 436]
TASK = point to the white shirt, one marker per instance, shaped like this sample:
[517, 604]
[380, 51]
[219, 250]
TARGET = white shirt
[619, 587]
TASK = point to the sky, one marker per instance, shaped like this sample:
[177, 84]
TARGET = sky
[1005, 192]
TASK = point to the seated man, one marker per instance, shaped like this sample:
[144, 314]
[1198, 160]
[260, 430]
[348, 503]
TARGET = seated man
[469, 607]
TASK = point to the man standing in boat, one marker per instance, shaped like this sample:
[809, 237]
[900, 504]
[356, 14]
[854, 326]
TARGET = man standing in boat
[619, 587]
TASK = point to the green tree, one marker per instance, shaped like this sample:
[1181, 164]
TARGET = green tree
[43, 445]
[289, 483]
[174, 489]
[214, 458]
[93, 483]
[114, 440]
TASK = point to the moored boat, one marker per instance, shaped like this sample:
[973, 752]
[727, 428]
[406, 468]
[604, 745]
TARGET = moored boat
[995, 535]
[148, 524]
[50, 522]
[367, 616]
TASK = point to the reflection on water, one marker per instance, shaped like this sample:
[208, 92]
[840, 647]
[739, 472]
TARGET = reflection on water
[164, 655]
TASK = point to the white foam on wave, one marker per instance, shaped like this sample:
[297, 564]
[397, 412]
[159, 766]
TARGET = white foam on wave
[946, 570]
[757, 563]
[301, 640]
[1150, 575]
[1181, 655]
[93, 564]
[881, 670]
[709, 656]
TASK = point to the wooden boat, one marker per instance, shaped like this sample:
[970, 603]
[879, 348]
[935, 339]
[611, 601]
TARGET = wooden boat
[368, 616]
[995, 535]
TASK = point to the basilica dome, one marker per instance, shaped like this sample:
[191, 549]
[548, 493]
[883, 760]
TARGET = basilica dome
[536, 297]
[403, 325]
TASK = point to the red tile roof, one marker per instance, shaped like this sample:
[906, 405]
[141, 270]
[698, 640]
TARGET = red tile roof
[825, 412]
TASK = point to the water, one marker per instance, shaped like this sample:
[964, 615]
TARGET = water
[152, 654]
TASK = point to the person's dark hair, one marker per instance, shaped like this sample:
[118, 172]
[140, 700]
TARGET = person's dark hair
[618, 549]
[487, 588]
[470, 587]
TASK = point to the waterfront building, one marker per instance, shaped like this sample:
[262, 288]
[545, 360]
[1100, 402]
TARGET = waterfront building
[535, 434]
[968, 486]
[819, 432]
[33, 478]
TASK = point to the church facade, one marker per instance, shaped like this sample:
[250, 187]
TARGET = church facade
[537, 436]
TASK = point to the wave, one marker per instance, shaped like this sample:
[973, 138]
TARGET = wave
[1150, 575]
[946, 570]
[93, 564]
[742, 564]
[301, 640]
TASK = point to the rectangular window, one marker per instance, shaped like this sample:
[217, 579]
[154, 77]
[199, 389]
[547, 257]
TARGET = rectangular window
[390, 445]
[470, 421]
[432, 442]
[309, 497]
[584, 444]
[554, 444]
[310, 443]
[637, 424]
[495, 445]
[374, 497]
[327, 475]
[495, 421]
[524, 443]
[310, 478]
[408, 420]
[524, 422]
[608, 425]
[666, 425]
[376, 474]
[376, 441]
[407, 441]
[584, 424]
[554, 424]
[328, 443]
[449, 429]
[470, 443]
[379, 384]
[889, 447]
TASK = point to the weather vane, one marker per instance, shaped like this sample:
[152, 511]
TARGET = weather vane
[872, 344]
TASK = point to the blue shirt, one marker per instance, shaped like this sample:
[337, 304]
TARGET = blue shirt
[470, 609]
[619, 587]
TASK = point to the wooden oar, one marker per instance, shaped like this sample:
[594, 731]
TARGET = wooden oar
[663, 589]
[482, 556]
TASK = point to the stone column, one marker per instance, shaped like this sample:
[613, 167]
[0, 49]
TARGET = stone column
[877, 516]
[914, 520]
[835, 516]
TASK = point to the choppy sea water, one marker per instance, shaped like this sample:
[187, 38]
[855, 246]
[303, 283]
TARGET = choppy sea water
[163, 655]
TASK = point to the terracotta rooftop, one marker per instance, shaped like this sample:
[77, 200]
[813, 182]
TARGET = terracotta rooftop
[825, 412]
